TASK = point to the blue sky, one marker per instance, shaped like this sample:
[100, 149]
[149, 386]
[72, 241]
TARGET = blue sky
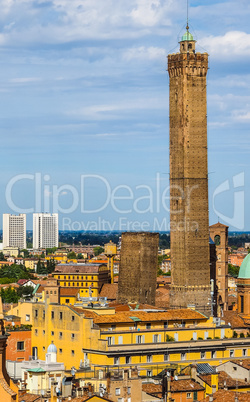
[84, 91]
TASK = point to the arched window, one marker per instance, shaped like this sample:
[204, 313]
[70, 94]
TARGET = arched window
[217, 240]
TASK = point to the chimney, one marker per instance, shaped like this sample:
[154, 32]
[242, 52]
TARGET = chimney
[211, 398]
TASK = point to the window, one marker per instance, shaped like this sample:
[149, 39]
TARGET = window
[60, 350]
[67, 301]
[72, 336]
[231, 353]
[120, 340]
[43, 348]
[165, 325]
[139, 339]
[149, 358]
[113, 327]
[129, 390]
[72, 318]
[203, 355]
[148, 325]
[43, 332]
[116, 360]
[188, 395]
[195, 396]
[20, 345]
[118, 391]
[166, 357]
[149, 373]
[52, 315]
[36, 332]
[235, 368]
[242, 304]
[60, 315]
[36, 313]
[183, 356]
[244, 352]
[60, 334]
[213, 354]
[155, 338]
[109, 339]
[128, 359]
[72, 352]
[52, 333]
[27, 318]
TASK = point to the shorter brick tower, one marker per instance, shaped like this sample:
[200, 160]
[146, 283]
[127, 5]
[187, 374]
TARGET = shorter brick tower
[138, 267]
[219, 234]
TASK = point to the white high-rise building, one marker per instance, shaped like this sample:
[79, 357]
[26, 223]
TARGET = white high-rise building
[14, 231]
[45, 230]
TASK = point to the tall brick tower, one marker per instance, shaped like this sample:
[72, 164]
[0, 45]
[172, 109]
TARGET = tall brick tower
[189, 177]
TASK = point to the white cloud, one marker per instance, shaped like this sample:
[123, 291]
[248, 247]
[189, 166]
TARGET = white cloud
[233, 43]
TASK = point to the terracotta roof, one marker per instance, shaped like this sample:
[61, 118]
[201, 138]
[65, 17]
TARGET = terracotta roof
[89, 398]
[176, 386]
[225, 379]
[218, 225]
[109, 290]
[29, 398]
[234, 319]
[77, 268]
[68, 291]
[228, 396]
[131, 306]
[87, 313]
[243, 363]
[125, 316]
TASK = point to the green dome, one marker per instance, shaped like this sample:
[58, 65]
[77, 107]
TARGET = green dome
[245, 268]
[187, 36]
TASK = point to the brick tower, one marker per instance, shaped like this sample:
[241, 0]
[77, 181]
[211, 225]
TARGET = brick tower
[189, 177]
[219, 234]
[138, 267]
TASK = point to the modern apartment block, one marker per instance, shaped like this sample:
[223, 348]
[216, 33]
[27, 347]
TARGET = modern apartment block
[45, 230]
[14, 231]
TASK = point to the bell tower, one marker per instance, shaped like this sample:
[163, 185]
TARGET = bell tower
[189, 226]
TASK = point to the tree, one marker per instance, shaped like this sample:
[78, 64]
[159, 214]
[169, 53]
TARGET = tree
[79, 256]
[71, 255]
[233, 270]
[98, 250]
[25, 253]
[50, 250]
[25, 291]
[9, 295]
[2, 258]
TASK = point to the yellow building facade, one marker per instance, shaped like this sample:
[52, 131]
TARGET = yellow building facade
[89, 278]
[149, 340]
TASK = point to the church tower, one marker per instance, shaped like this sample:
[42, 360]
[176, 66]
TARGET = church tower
[189, 224]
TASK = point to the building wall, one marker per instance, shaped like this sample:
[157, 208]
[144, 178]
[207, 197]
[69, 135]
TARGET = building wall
[45, 230]
[138, 267]
[15, 351]
[220, 232]
[189, 179]
[14, 231]
[117, 344]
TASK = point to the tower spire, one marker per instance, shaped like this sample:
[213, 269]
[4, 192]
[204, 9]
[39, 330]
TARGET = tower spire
[187, 27]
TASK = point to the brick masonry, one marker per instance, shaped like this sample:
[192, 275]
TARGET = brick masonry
[189, 179]
[138, 267]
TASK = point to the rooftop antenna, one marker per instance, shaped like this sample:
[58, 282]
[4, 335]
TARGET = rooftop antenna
[187, 27]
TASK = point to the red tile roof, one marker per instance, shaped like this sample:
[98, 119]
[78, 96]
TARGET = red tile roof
[225, 379]
[125, 316]
[77, 268]
[234, 319]
[228, 396]
[67, 291]
[109, 290]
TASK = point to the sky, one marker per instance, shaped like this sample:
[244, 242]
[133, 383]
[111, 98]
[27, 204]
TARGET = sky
[84, 109]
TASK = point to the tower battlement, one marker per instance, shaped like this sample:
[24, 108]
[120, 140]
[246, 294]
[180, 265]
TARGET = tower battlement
[195, 64]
